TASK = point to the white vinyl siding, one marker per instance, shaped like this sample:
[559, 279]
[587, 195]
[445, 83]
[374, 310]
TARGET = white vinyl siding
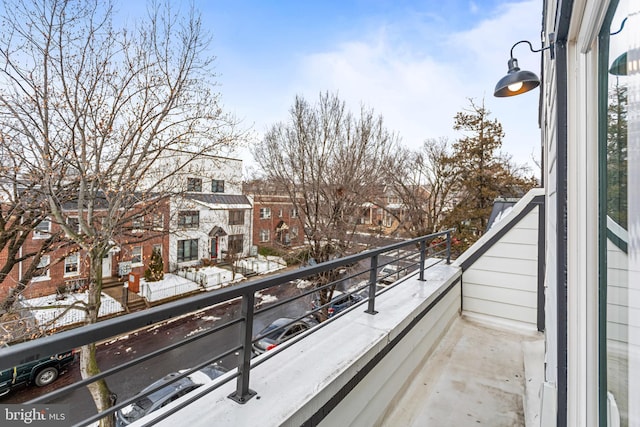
[503, 283]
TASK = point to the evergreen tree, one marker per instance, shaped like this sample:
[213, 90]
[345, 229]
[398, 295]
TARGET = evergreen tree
[155, 271]
[483, 173]
[617, 155]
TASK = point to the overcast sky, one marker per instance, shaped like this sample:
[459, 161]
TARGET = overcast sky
[414, 62]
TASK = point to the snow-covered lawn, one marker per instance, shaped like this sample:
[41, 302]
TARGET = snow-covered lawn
[171, 286]
[217, 277]
[51, 313]
[262, 264]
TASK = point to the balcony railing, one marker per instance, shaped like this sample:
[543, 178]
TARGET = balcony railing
[407, 257]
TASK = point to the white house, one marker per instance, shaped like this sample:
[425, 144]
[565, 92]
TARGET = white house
[210, 217]
[590, 121]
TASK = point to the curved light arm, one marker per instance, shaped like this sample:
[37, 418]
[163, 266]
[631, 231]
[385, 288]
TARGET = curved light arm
[551, 45]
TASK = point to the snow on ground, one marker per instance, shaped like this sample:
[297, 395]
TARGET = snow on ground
[217, 277]
[171, 286]
[50, 312]
[264, 299]
[262, 264]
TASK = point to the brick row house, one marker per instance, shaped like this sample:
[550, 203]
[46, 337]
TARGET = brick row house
[276, 220]
[207, 218]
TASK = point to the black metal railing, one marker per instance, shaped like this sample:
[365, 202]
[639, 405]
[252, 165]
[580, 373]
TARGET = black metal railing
[407, 257]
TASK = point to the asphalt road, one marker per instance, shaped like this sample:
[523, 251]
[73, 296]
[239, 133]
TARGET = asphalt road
[129, 382]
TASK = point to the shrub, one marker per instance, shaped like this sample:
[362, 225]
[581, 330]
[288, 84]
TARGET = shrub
[155, 271]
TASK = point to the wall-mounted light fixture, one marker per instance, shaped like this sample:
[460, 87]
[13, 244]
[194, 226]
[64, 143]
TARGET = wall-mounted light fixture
[619, 65]
[519, 81]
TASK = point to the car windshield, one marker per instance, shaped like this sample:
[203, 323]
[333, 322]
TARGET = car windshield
[274, 330]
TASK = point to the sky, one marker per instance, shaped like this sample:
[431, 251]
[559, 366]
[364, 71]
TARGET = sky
[416, 63]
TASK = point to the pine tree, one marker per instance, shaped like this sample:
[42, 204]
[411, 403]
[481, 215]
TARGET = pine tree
[483, 173]
[155, 271]
[617, 155]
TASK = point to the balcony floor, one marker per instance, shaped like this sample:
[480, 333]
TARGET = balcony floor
[478, 375]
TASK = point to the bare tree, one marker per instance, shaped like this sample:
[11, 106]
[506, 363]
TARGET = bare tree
[100, 113]
[425, 182]
[330, 163]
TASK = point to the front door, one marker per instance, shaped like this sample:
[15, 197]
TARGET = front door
[106, 265]
[214, 248]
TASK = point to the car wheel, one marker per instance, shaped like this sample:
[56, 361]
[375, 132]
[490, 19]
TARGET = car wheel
[46, 376]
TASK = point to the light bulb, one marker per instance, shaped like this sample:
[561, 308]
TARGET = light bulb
[515, 86]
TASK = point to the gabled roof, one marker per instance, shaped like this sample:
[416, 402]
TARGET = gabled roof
[217, 231]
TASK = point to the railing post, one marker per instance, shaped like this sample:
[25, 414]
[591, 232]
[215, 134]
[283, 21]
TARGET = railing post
[423, 256]
[243, 393]
[448, 247]
[373, 276]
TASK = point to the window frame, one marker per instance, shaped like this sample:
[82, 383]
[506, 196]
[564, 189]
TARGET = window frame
[181, 245]
[217, 186]
[42, 234]
[231, 243]
[75, 272]
[47, 273]
[193, 217]
[236, 216]
[134, 262]
[194, 185]
[265, 213]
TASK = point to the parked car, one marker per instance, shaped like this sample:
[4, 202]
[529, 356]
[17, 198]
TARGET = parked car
[278, 332]
[40, 372]
[165, 395]
[390, 274]
[339, 302]
[361, 289]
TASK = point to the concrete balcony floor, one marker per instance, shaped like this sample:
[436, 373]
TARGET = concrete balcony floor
[477, 375]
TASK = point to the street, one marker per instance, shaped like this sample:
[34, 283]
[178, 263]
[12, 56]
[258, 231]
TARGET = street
[129, 382]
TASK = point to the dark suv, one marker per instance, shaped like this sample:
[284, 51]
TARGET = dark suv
[40, 372]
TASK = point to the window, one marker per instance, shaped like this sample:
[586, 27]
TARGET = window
[194, 184]
[157, 247]
[157, 221]
[294, 213]
[217, 186]
[72, 265]
[265, 213]
[236, 217]
[264, 235]
[188, 219]
[279, 213]
[44, 274]
[187, 250]
[236, 243]
[42, 230]
[137, 223]
[294, 232]
[136, 255]
[74, 223]
[618, 167]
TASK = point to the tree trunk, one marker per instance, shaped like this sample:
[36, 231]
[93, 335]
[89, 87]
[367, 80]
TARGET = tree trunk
[99, 390]
[102, 396]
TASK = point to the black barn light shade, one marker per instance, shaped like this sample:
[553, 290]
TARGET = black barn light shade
[519, 81]
[516, 81]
